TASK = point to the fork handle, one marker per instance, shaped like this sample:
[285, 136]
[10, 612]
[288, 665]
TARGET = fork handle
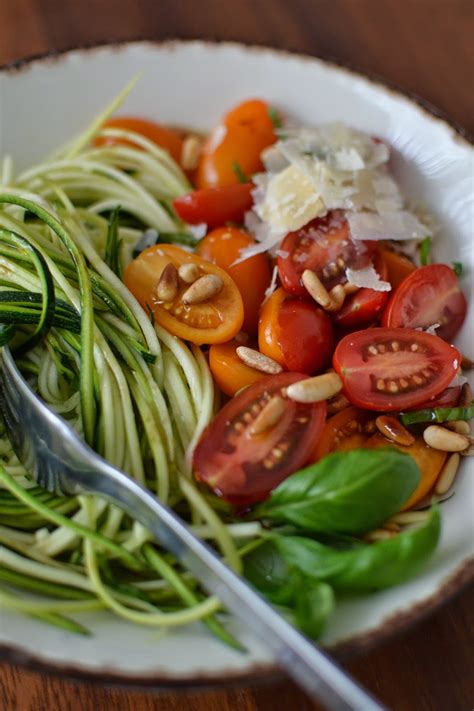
[303, 660]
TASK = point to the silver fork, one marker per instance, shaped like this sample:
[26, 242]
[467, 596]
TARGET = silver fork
[59, 461]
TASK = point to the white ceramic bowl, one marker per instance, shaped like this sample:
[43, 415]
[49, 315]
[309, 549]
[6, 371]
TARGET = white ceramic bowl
[44, 102]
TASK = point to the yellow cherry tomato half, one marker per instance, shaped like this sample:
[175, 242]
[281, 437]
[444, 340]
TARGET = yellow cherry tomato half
[215, 320]
[229, 372]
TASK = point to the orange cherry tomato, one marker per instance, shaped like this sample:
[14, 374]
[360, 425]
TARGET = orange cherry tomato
[344, 430]
[213, 321]
[269, 327]
[430, 462]
[164, 137]
[398, 266]
[252, 276]
[240, 139]
[229, 372]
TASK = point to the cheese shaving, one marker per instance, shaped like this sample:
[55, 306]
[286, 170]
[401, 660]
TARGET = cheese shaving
[367, 278]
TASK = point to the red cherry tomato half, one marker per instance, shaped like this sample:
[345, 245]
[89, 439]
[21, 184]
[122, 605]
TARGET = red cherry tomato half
[215, 206]
[363, 307]
[394, 368]
[325, 246]
[429, 295]
[242, 467]
[306, 336]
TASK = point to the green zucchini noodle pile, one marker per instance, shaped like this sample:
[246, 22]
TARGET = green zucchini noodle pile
[138, 395]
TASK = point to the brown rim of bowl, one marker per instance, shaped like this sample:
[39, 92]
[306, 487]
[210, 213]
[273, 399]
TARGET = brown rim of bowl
[393, 624]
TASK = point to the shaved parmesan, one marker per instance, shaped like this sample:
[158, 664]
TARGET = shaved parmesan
[273, 284]
[390, 225]
[367, 278]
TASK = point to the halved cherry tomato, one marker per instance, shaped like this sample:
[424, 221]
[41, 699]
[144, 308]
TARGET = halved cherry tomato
[394, 368]
[229, 372]
[252, 276]
[448, 398]
[325, 246]
[363, 307]
[428, 296]
[243, 468]
[430, 462]
[398, 266]
[213, 321]
[296, 333]
[215, 206]
[164, 137]
[240, 139]
[343, 431]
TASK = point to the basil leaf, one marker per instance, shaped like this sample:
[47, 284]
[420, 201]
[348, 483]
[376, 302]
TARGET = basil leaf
[346, 492]
[458, 268]
[371, 567]
[438, 414]
[269, 573]
[425, 249]
[313, 605]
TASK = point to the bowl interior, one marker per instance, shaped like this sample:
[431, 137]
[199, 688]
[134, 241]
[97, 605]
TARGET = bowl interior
[191, 84]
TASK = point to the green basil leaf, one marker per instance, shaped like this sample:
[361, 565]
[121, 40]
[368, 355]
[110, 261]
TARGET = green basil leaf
[267, 570]
[313, 606]
[425, 250]
[346, 492]
[371, 567]
[438, 414]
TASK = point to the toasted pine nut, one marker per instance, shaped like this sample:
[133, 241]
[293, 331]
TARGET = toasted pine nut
[337, 403]
[466, 363]
[203, 289]
[337, 295]
[190, 152]
[316, 288]
[469, 452]
[350, 288]
[404, 518]
[379, 534]
[316, 389]
[188, 272]
[268, 416]
[391, 526]
[257, 360]
[466, 397]
[448, 474]
[167, 287]
[445, 440]
[459, 426]
[393, 429]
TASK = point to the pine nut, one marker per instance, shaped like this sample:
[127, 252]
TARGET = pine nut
[405, 518]
[391, 428]
[322, 387]
[190, 152]
[459, 426]
[257, 360]
[448, 474]
[469, 452]
[391, 526]
[188, 272]
[350, 288]
[316, 288]
[465, 398]
[445, 440]
[466, 363]
[337, 295]
[167, 288]
[203, 289]
[337, 403]
[268, 416]
[380, 534]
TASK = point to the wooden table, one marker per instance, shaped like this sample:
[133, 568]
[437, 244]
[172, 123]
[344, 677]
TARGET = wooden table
[424, 46]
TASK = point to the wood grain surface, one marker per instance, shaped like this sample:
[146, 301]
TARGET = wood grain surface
[424, 46]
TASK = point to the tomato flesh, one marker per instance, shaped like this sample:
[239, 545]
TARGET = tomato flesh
[430, 295]
[363, 307]
[343, 431]
[215, 320]
[394, 368]
[223, 247]
[215, 206]
[398, 266]
[430, 462]
[325, 246]
[306, 336]
[243, 468]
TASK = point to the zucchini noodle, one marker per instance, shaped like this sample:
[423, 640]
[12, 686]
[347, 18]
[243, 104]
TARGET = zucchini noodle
[138, 395]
